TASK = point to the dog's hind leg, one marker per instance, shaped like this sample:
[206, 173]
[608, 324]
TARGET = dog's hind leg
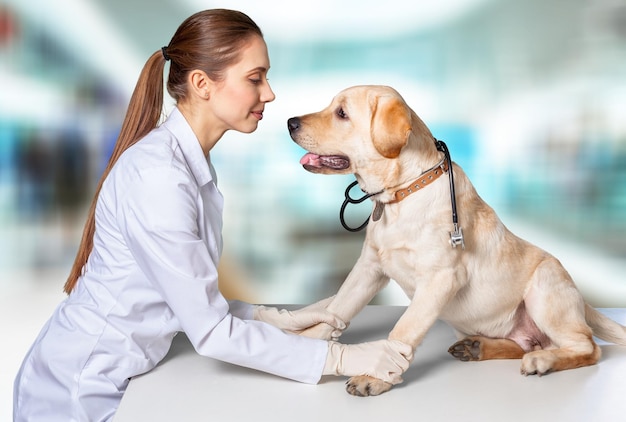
[541, 362]
[558, 310]
[475, 348]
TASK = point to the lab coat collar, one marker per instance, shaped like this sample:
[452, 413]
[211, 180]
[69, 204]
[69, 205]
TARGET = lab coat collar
[199, 164]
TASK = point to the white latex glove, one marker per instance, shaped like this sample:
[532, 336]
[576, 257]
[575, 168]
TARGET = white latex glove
[323, 331]
[382, 359]
[298, 320]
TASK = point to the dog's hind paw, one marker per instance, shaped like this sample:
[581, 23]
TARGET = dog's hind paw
[466, 350]
[364, 386]
[539, 362]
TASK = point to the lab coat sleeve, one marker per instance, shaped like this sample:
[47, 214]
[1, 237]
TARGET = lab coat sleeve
[159, 220]
[241, 310]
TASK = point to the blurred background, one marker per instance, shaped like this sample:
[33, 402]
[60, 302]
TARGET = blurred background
[529, 96]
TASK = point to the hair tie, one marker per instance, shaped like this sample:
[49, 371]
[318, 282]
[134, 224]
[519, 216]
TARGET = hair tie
[165, 56]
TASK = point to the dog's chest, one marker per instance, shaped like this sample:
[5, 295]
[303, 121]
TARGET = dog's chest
[405, 249]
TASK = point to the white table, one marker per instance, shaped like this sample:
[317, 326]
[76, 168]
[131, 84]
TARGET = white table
[188, 387]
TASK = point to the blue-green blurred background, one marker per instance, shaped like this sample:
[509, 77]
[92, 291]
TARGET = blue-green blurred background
[530, 97]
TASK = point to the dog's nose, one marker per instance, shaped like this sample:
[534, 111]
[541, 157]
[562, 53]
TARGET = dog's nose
[293, 124]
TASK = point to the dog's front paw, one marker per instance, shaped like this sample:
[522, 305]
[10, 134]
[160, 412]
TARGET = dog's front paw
[321, 331]
[364, 386]
[466, 350]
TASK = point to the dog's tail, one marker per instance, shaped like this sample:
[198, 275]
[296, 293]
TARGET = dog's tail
[604, 327]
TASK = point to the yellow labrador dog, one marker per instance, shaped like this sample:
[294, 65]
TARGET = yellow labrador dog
[504, 297]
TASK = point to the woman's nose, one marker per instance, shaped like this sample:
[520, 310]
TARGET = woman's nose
[268, 95]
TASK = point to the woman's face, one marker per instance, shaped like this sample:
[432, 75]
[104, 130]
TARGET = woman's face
[238, 101]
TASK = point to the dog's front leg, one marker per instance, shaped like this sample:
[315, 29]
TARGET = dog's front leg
[363, 283]
[429, 299]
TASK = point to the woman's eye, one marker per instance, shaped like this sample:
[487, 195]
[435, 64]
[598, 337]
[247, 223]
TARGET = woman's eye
[255, 81]
[341, 113]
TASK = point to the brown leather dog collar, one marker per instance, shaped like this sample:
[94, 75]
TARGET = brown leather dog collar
[424, 180]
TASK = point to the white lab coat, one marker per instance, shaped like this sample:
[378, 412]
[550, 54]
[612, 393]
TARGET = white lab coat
[152, 273]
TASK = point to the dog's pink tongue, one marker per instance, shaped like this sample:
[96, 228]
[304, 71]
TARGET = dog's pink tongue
[311, 160]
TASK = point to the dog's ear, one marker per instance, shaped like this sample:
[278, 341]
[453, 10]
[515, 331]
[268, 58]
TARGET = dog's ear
[390, 126]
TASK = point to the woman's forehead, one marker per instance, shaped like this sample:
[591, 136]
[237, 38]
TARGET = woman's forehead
[254, 56]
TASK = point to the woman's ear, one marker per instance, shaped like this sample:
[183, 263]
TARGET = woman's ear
[200, 84]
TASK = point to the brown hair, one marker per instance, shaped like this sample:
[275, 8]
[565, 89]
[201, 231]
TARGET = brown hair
[211, 41]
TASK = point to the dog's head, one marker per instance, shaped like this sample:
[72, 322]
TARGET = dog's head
[364, 131]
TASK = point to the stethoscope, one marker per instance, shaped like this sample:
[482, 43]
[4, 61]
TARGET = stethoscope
[351, 200]
[456, 236]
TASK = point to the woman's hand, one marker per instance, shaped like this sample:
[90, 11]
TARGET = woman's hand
[301, 319]
[382, 359]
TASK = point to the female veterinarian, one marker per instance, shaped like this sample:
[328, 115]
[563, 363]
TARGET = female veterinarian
[147, 264]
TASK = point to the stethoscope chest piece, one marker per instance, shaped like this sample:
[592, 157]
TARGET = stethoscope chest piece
[456, 237]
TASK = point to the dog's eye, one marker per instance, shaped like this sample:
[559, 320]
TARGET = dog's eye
[341, 113]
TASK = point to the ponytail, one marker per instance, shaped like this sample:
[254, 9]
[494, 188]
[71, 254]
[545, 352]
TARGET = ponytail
[143, 114]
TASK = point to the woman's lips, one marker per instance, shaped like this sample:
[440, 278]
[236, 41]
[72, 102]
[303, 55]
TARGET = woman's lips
[258, 114]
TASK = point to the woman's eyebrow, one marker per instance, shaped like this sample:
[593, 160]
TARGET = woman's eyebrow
[259, 69]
